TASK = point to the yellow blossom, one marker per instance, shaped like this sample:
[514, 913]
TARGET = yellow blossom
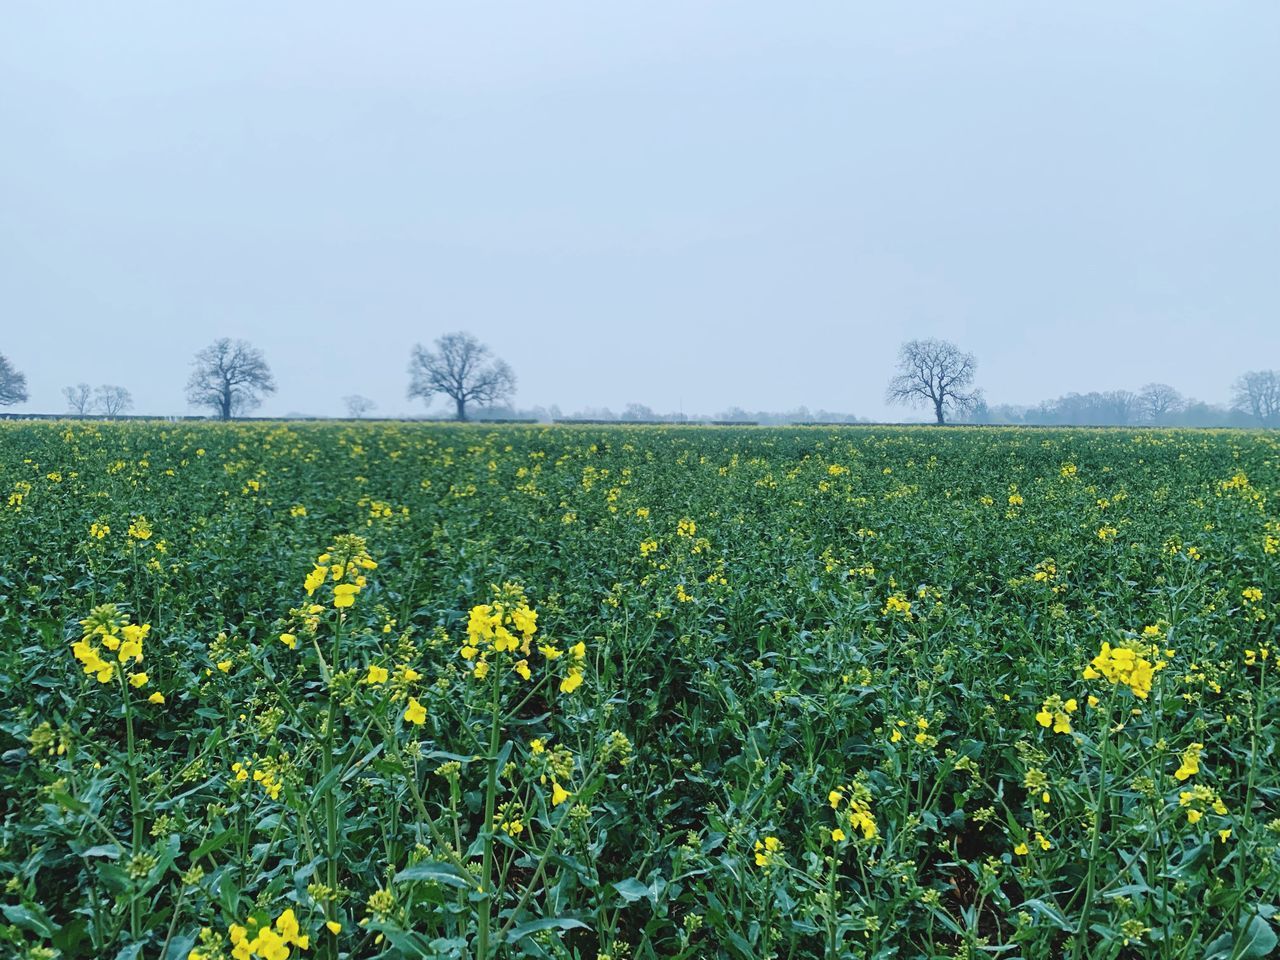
[415, 712]
[1190, 765]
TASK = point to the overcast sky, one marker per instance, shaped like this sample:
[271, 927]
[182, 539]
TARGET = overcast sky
[688, 205]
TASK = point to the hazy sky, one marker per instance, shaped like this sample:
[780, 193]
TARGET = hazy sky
[675, 203]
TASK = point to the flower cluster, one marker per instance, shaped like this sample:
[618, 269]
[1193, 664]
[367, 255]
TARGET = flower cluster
[1190, 764]
[108, 628]
[510, 818]
[897, 603]
[1200, 799]
[857, 815]
[768, 852]
[1043, 842]
[1056, 712]
[1131, 663]
[505, 626]
[345, 564]
[266, 771]
[557, 764]
[269, 943]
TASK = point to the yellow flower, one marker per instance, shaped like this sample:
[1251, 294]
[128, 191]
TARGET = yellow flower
[287, 925]
[138, 679]
[525, 620]
[334, 927]
[415, 712]
[1021, 850]
[315, 578]
[289, 640]
[897, 603]
[572, 682]
[558, 794]
[1190, 762]
[156, 698]
[537, 746]
[768, 851]
[522, 668]
[1126, 664]
[224, 665]
[344, 594]
[376, 674]
[579, 651]
[837, 835]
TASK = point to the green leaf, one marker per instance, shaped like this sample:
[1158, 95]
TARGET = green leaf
[1050, 913]
[544, 923]
[110, 851]
[435, 871]
[29, 919]
[214, 843]
[632, 889]
[1256, 941]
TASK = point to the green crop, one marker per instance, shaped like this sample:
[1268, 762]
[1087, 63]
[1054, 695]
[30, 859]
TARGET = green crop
[632, 692]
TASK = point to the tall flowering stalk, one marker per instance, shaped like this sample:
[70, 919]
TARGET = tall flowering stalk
[110, 651]
[342, 569]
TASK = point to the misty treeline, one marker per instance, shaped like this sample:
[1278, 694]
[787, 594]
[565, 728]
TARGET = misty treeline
[229, 378]
[1156, 405]
[642, 413]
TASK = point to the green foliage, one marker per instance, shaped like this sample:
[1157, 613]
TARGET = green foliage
[779, 634]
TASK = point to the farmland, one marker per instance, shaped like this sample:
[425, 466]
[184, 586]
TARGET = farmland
[603, 692]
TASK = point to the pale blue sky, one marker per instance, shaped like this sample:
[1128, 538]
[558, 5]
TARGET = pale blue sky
[696, 204]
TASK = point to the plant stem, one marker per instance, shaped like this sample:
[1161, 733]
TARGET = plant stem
[490, 794]
[135, 804]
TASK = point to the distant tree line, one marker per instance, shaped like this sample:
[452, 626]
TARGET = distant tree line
[1255, 402]
[230, 377]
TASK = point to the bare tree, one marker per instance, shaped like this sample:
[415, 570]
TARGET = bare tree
[935, 373]
[230, 377]
[79, 399]
[13, 384]
[1158, 401]
[463, 369]
[1257, 393]
[112, 401]
[1118, 406]
[638, 411]
[358, 406]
